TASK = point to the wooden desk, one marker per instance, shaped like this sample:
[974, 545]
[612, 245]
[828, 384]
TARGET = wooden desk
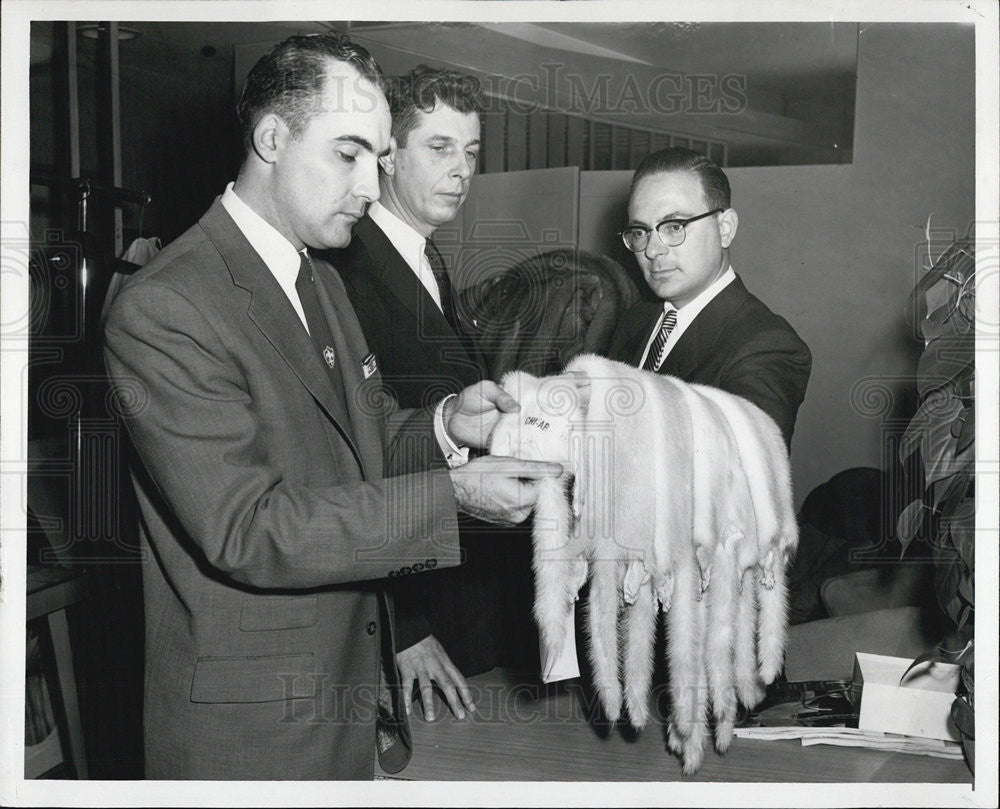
[523, 731]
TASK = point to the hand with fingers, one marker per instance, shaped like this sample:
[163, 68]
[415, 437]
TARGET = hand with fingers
[425, 662]
[499, 489]
[470, 417]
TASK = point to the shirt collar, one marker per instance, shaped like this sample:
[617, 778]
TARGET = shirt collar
[279, 254]
[408, 243]
[686, 314]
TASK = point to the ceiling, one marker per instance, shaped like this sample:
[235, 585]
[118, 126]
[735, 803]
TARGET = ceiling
[793, 82]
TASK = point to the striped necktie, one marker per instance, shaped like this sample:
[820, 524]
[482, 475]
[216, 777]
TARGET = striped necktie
[656, 351]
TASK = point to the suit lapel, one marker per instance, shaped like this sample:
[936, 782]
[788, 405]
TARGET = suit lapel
[399, 279]
[272, 313]
[699, 339]
[645, 321]
[394, 273]
[351, 348]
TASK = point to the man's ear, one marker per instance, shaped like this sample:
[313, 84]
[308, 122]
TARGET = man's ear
[269, 136]
[387, 162]
[728, 222]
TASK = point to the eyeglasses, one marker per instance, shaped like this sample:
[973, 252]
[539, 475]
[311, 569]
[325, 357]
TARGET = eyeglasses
[670, 231]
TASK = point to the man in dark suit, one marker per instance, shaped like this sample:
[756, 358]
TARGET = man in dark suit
[450, 622]
[709, 329]
[276, 486]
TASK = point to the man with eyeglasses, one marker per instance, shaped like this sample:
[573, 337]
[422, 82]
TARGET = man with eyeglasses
[709, 329]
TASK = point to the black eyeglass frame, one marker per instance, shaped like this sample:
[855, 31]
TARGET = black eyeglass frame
[648, 231]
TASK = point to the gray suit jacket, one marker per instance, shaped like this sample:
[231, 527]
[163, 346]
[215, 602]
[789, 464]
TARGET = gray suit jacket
[266, 519]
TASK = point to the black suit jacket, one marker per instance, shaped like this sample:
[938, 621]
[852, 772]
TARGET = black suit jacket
[737, 344]
[421, 358]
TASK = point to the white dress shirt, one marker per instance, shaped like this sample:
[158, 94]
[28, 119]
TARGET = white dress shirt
[277, 253]
[686, 314]
[410, 245]
[283, 261]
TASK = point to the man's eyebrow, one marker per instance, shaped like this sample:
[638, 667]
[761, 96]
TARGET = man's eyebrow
[666, 217]
[364, 143]
[451, 139]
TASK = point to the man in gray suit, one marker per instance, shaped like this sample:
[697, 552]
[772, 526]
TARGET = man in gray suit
[277, 486]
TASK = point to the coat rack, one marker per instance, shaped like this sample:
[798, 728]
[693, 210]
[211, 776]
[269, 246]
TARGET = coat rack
[78, 460]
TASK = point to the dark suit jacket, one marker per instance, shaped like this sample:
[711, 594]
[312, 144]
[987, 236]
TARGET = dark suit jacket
[737, 344]
[421, 357]
[265, 516]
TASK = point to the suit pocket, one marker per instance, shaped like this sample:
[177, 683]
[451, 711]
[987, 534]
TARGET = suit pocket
[277, 612]
[253, 679]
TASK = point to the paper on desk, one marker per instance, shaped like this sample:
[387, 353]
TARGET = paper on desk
[852, 737]
[565, 666]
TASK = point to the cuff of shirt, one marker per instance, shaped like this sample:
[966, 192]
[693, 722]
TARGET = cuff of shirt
[453, 454]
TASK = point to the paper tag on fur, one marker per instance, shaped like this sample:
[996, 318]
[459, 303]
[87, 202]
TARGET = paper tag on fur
[565, 666]
[533, 437]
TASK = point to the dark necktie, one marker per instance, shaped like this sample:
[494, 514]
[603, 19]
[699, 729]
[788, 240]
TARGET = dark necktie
[392, 729]
[319, 328]
[443, 281]
[655, 359]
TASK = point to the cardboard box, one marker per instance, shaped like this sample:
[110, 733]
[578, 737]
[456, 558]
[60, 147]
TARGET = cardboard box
[920, 706]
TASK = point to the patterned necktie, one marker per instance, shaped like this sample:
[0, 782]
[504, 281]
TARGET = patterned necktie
[319, 328]
[443, 281]
[655, 357]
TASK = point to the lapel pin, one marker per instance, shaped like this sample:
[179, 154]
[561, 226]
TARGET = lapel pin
[369, 365]
[329, 356]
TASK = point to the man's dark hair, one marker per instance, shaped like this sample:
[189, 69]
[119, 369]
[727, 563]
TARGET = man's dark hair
[289, 80]
[713, 179]
[422, 88]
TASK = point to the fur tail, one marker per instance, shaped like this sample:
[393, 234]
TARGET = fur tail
[748, 685]
[640, 643]
[719, 648]
[602, 617]
[694, 743]
[552, 565]
[773, 624]
[685, 629]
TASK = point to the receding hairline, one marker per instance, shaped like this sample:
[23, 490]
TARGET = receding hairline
[439, 105]
[338, 70]
[653, 175]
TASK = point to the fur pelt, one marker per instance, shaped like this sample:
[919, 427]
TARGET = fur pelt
[546, 309]
[674, 496]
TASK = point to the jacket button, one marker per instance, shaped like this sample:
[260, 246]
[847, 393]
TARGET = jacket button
[418, 567]
[371, 628]
[405, 571]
